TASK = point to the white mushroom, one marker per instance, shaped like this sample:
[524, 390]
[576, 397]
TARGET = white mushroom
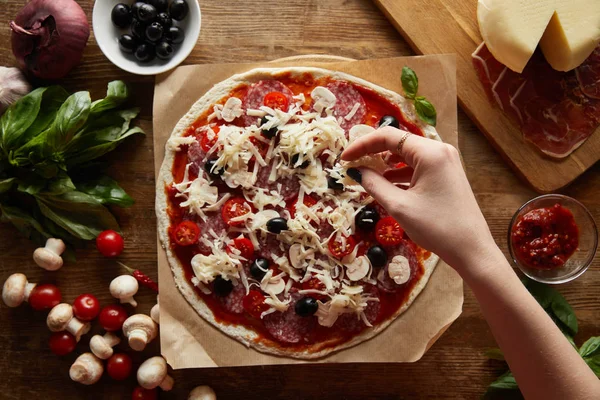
[232, 109]
[358, 131]
[202, 393]
[87, 369]
[272, 284]
[48, 257]
[358, 269]
[153, 373]
[323, 98]
[155, 312]
[61, 318]
[102, 346]
[298, 254]
[399, 270]
[16, 290]
[124, 287]
[139, 329]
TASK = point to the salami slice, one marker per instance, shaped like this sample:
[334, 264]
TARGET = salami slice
[352, 322]
[256, 94]
[233, 302]
[289, 327]
[196, 157]
[290, 185]
[346, 103]
[384, 282]
[213, 222]
[269, 245]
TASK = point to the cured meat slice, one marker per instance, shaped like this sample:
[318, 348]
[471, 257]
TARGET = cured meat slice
[289, 327]
[405, 249]
[352, 322]
[290, 185]
[557, 111]
[256, 95]
[350, 107]
[233, 302]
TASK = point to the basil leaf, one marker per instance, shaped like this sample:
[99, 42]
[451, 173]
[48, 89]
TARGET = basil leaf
[101, 148]
[78, 213]
[591, 347]
[23, 221]
[426, 110]
[106, 191]
[19, 116]
[495, 354]
[71, 116]
[53, 99]
[32, 185]
[410, 82]
[116, 95]
[60, 185]
[6, 184]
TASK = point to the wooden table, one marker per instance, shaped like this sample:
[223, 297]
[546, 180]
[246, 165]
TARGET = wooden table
[254, 30]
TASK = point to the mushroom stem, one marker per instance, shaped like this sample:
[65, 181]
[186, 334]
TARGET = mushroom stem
[61, 318]
[87, 369]
[28, 288]
[167, 383]
[139, 329]
[102, 346]
[124, 287]
[48, 257]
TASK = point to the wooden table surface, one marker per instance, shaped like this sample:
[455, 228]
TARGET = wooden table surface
[253, 30]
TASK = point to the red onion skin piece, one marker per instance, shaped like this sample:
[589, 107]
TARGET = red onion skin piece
[48, 37]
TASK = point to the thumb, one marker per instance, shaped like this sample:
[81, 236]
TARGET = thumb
[385, 192]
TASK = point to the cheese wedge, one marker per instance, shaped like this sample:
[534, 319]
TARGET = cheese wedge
[566, 30]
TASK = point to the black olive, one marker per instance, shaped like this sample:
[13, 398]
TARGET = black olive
[174, 35]
[120, 15]
[214, 173]
[377, 256]
[165, 20]
[276, 225]
[306, 306]
[164, 50]
[222, 287]
[388, 120]
[179, 9]
[366, 219]
[134, 8]
[146, 13]
[294, 160]
[154, 32]
[160, 5]
[138, 29]
[268, 133]
[145, 52]
[259, 268]
[127, 43]
[334, 184]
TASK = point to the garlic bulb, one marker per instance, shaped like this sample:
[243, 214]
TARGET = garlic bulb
[13, 86]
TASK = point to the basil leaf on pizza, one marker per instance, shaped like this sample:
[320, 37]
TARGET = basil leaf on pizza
[267, 237]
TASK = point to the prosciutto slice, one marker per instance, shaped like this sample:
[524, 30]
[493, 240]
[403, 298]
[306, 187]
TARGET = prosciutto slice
[557, 111]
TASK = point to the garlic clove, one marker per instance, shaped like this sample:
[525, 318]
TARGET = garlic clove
[13, 86]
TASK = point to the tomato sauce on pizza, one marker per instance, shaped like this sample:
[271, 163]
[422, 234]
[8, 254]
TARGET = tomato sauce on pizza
[268, 228]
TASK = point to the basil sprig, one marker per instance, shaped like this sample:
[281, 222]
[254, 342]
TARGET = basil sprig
[410, 84]
[564, 317]
[50, 185]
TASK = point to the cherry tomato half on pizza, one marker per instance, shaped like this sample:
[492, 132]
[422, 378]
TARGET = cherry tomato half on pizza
[276, 100]
[308, 201]
[245, 246]
[186, 233]
[254, 303]
[388, 232]
[339, 249]
[234, 207]
[208, 139]
[315, 284]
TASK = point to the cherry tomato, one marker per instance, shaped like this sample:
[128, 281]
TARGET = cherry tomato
[139, 393]
[276, 100]
[110, 244]
[186, 233]
[112, 317]
[119, 366]
[314, 284]
[388, 232]
[209, 140]
[44, 297]
[234, 207]
[62, 343]
[245, 247]
[254, 303]
[308, 201]
[338, 250]
[86, 307]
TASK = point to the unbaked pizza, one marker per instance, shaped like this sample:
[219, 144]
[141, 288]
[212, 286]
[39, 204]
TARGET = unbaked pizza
[268, 238]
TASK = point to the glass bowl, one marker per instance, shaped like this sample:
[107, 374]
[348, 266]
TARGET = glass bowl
[579, 262]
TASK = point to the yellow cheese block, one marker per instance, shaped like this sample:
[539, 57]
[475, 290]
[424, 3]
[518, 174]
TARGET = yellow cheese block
[566, 30]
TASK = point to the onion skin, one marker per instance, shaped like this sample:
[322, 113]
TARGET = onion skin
[48, 37]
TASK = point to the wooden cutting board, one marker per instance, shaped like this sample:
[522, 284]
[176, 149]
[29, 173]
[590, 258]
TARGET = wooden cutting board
[450, 26]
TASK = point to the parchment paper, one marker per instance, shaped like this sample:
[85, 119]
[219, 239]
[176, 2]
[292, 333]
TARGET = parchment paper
[188, 341]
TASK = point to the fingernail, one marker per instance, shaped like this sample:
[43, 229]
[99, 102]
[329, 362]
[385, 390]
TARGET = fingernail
[355, 174]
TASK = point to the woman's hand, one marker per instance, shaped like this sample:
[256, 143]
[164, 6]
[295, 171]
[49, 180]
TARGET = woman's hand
[438, 210]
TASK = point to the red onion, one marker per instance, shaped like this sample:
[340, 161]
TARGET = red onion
[49, 36]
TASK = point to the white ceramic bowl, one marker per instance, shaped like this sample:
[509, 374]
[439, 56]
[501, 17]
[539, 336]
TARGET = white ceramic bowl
[107, 35]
